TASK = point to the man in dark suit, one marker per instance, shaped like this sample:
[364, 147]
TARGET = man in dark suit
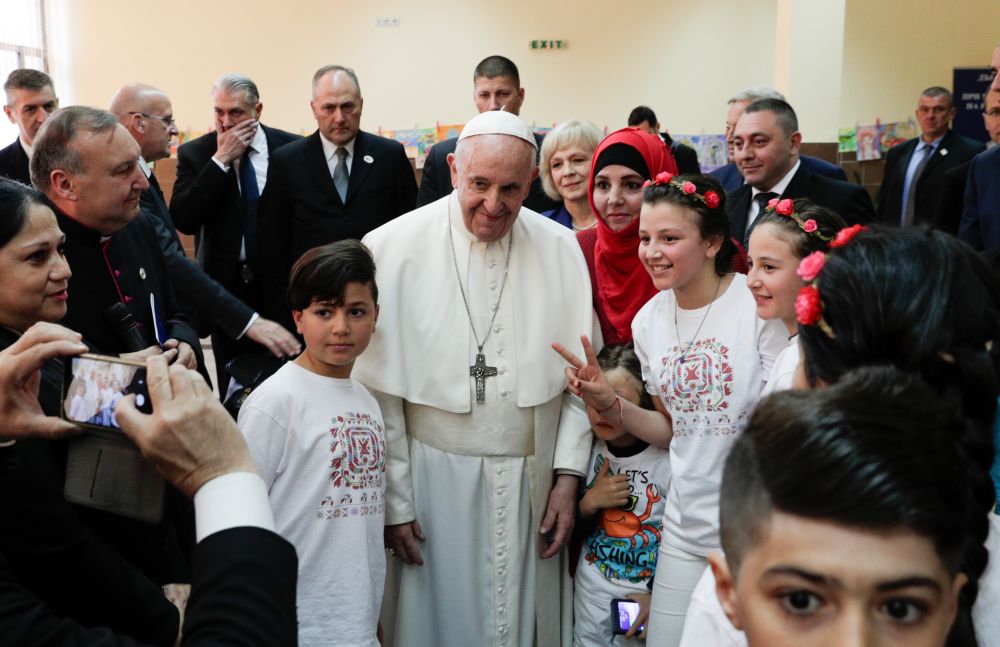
[766, 143]
[729, 175]
[955, 179]
[244, 575]
[687, 159]
[86, 165]
[147, 114]
[340, 182]
[220, 177]
[496, 86]
[913, 179]
[981, 217]
[30, 101]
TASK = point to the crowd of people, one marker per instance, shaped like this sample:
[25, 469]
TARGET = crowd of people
[561, 378]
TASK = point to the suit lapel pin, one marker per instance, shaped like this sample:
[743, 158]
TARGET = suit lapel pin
[142, 273]
[944, 151]
[369, 159]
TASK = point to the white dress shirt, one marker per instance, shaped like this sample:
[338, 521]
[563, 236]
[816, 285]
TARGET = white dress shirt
[330, 153]
[778, 188]
[231, 501]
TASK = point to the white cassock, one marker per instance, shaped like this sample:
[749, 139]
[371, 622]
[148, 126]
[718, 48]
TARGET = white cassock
[477, 475]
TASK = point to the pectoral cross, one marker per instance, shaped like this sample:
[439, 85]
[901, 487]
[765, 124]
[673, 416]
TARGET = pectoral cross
[481, 371]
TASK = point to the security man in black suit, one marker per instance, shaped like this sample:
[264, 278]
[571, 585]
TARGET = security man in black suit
[766, 143]
[147, 114]
[30, 101]
[340, 182]
[220, 177]
[244, 575]
[913, 181]
[496, 86]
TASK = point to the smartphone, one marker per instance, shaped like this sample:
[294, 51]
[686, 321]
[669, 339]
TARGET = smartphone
[624, 613]
[94, 384]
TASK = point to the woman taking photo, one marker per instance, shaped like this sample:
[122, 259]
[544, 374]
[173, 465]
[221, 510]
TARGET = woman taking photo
[52, 550]
[564, 168]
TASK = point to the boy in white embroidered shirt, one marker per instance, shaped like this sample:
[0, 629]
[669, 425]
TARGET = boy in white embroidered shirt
[318, 439]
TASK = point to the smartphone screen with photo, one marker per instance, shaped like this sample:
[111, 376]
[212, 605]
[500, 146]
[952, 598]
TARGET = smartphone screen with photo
[94, 384]
[624, 613]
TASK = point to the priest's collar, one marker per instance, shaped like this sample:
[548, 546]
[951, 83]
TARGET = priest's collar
[75, 229]
[458, 223]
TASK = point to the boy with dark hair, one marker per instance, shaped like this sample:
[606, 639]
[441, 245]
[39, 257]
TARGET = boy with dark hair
[317, 438]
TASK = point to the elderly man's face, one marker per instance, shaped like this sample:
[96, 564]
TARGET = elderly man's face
[337, 104]
[107, 190]
[232, 108]
[29, 110]
[492, 175]
[158, 128]
[991, 115]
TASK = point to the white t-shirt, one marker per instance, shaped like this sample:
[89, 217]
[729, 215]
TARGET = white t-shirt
[319, 446]
[709, 396]
[619, 555]
[783, 371]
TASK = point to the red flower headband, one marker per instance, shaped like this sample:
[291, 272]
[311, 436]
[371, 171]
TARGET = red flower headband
[808, 304]
[711, 199]
[787, 208]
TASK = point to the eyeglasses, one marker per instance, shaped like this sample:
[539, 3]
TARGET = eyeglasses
[166, 121]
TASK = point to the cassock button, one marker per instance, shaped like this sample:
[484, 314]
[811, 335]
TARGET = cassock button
[502, 370]
[128, 299]
[493, 285]
[501, 571]
[142, 273]
[502, 609]
[499, 532]
[118, 273]
[505, 393]
[500, 351]
[498, 328]
[500, 491]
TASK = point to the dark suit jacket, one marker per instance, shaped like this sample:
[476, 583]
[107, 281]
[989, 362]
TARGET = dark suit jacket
[981, 217]
[436, 180]
[850, 201]
[952, 200]
[126, 269]
[14, 163]
[207, 200]
[685, 156]
[201, 297]
[242, 593]
[300, 207]
[730, 179]
[953, 151]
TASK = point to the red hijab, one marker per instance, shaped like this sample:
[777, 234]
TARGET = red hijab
[623, 285]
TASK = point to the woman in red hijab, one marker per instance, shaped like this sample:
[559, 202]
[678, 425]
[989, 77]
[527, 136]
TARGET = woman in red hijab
[622, 162]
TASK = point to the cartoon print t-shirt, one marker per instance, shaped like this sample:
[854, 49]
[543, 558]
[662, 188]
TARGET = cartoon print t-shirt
[619, 555]
[319, 445]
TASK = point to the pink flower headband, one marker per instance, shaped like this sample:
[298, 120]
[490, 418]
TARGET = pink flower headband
[787, 208]
[808, 304]
[711, 199]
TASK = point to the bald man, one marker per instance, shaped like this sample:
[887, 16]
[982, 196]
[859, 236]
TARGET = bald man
[146, 112]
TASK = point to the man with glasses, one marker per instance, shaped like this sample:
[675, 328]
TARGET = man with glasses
[340, 182]
[30, 101]
[981, 216]
[220, 177]
[147, 114]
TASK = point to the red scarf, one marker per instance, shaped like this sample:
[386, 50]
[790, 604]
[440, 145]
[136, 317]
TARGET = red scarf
[623, 284]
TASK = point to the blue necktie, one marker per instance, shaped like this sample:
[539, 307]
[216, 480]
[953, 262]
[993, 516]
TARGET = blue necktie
[250, 195]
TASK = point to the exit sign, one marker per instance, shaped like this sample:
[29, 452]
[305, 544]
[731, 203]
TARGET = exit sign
[549, 44]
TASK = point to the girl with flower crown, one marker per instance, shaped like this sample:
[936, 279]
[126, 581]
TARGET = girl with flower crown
[705, 355]
[783, 256]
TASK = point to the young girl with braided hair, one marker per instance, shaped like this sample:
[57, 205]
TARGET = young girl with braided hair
[705, 356]
[785, 234]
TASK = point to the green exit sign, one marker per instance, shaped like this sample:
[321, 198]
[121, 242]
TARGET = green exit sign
[549, 44]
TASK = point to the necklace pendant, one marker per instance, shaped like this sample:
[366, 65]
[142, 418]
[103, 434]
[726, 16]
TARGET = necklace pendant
[481, 371]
